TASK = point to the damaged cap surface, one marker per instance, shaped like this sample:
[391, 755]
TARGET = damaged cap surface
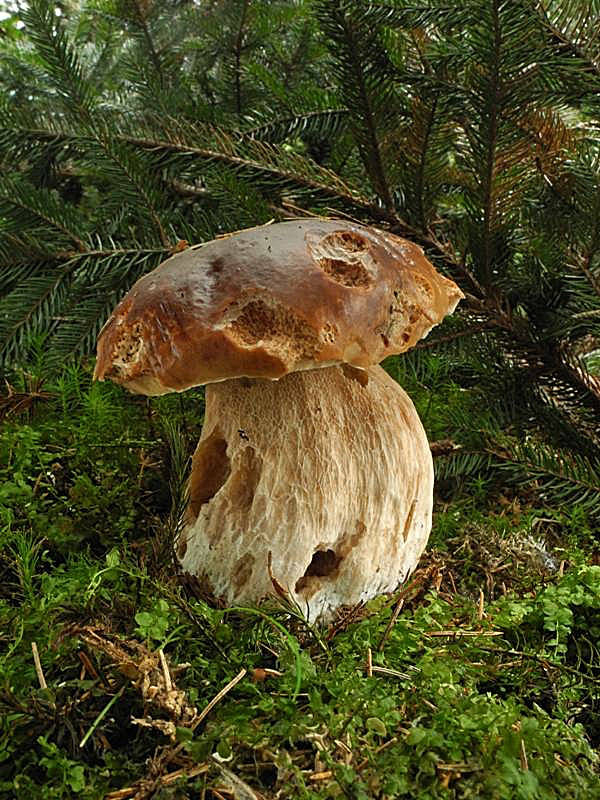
[272, 300]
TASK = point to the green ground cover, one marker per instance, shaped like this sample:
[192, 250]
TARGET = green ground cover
[485, 669]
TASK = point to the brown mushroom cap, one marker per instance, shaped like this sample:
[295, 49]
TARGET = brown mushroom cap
[273, 300]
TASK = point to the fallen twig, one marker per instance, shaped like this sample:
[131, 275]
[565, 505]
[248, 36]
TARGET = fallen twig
[391, 623]
[321, 776]
[165, 669]
[38, 666]
[523, 759]
[207, 709]
[216, 699]
[164, 780]
[381, 747]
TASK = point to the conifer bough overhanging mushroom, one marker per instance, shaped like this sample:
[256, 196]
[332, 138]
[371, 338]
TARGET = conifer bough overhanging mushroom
[311, 457]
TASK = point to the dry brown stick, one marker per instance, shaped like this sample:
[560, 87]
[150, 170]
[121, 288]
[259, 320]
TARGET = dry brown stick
[38, 666]
[165, 780]
[480, 607]
[369, 664]
[183, 773]
[207, 709]
[165, 669]
[217, 698]
[391, 623]
[121, 794]
[524, 761]
[88, 666]
[381, 747]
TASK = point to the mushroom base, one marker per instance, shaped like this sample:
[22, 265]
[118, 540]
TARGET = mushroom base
[329, 471]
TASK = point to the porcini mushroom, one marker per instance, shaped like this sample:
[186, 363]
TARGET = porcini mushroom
[311, 459]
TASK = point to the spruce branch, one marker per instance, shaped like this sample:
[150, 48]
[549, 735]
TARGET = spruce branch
[420, 178]
[59, 57]
[17, 196]
[254, 157]
[141, 18]
[237, 51]
[565, 477]
[128, 164]
[362, 83]
[567, 30]
[491, 156]
[325, 122]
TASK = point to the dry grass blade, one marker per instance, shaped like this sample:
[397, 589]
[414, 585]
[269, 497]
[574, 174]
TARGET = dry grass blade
[392, 673]
[523, 758]
[38, 666]
[391, 623]
[193, 724]
[321, 776]
[217, 698]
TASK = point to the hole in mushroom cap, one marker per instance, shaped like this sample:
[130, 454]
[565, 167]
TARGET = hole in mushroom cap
[349, 273]
[276, 328]
[423, 289]
[345, 258]
[323, 564]
[403, 315]
[128, 349]
[349, 240]
[210, 470]
[329, 333]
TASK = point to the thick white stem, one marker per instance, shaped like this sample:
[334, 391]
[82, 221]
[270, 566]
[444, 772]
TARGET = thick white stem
[329, 470]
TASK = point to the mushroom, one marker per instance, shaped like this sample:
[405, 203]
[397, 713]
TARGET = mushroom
[313, 468]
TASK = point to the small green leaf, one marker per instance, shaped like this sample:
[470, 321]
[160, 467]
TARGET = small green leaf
[184, 734]
[144, 619]
[76, 778]
[224, 749]
[377, 726]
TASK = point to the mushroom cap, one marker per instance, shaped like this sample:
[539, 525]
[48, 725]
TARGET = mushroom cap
[272, 300]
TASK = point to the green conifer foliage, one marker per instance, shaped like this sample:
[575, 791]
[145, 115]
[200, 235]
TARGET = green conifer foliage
[129, 126]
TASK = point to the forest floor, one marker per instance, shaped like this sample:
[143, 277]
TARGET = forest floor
[479, 678]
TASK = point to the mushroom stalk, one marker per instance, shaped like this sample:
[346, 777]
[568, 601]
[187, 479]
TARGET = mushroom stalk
[326, 473]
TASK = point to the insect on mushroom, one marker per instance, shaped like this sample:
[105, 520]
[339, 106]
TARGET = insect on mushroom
[310, 455]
